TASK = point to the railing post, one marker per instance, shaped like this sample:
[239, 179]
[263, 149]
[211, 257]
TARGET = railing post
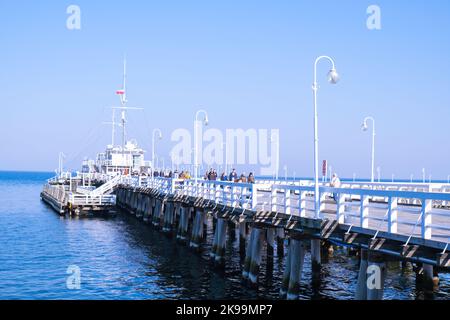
[393, 215]
[273, 199]
[302, 203]
[340, 210]
[254, 197]
[234, 196]
[172, 186]
[287, 201]
[224, 195]
[322, 204]
[426, 218]
[364, 207]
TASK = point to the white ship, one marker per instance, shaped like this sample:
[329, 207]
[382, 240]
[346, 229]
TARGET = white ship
[91, 190]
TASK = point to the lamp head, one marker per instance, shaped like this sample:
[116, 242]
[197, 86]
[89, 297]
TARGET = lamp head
[160, 136]
[206, 121]
[333, 76]
[364, 126]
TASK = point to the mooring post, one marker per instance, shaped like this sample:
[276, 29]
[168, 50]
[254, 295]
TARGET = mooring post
[256, 255]
[298, 256]
[376, 275]
[361, 287]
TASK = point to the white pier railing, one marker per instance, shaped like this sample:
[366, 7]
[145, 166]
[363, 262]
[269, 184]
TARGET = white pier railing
[381, 207]
[91, 200]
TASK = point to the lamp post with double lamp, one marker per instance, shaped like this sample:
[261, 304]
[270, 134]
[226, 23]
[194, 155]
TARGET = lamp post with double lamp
[205, 122]
[365, 127]
[155, 131]
[333, 78]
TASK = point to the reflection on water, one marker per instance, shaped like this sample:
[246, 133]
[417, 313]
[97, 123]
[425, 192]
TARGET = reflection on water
[121, 258]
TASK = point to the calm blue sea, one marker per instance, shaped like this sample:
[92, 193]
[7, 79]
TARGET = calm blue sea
[121, 258]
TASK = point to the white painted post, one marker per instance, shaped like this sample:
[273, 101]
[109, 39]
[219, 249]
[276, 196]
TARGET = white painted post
[287, 201]
[254, 197]
[224, 195]
[234, 196]
[302, 203]
[426, 219]
[393, 215]
[322, 203]
[340, 210]
[364, 207]
[273, 199]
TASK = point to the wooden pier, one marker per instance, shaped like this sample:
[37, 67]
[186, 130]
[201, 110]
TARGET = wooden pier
[381, 222]
[269, 218]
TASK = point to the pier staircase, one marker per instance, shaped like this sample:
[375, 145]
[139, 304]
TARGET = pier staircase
[107, 187]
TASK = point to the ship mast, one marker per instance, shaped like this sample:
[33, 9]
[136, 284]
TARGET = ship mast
[123, 103]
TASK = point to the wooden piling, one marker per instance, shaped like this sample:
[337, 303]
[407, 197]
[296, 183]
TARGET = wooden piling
[221, 242]
[270, 234]
[361, 287]
[280, 242]
[256, 256]
[197, 229]
[168, 217]
[376, 275]
[242, 235]
[248, 256]
[297, 251]
[183, 224]
[286, 273]
[316, 255]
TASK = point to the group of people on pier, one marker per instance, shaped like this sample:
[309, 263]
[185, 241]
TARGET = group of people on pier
[210, 175]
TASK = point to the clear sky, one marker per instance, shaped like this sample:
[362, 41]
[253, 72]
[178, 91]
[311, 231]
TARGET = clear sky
[249, 63]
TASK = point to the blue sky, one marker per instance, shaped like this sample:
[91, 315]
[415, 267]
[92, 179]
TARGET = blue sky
[249, 63]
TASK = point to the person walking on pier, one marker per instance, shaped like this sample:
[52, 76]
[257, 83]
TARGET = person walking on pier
[251, 178]
[224, 177]
[233, 175]
[335, 183]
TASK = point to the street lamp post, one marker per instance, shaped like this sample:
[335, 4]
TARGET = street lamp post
[333, 78]
[205, 122]
[364, 127]
[154, 147]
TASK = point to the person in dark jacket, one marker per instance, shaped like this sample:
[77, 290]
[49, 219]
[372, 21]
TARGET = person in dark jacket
[251, 178]
[233, 175]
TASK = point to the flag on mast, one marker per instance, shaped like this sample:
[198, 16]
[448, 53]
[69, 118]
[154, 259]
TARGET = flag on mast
[120, 92]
